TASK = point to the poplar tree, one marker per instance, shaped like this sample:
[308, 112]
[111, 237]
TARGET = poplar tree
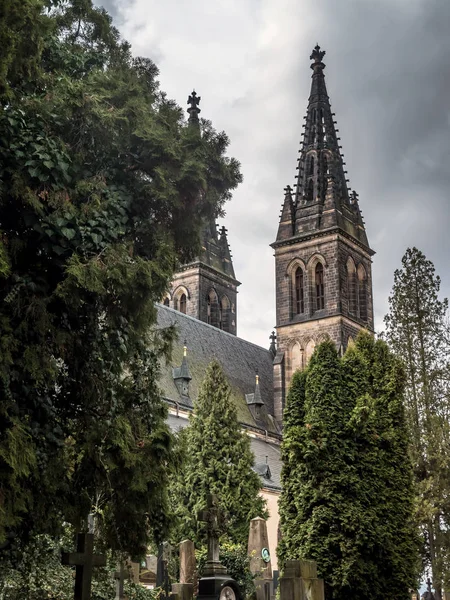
[417, 331]
[103, 188]
[347, 498]
[218, 460]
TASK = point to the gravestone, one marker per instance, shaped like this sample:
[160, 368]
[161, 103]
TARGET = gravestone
[162, 569]
[300, 581]
[185, 589]
[215, 584]
[84, 560]
[120, 575]
[260, 561]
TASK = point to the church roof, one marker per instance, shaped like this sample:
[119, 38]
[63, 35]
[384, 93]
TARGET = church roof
[240, 360]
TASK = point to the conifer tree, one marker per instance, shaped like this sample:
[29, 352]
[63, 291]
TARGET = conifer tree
[347, 496]
[218, 460]
[417, 331]
[103, 188]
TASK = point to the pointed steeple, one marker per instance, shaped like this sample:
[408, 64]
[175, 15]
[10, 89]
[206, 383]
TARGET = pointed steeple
[286, 226]
[182, 376]
[321, 199]
[193, 109]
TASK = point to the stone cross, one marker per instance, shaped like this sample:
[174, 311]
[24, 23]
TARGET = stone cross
[84, 561]
[214, 518]
[120, 575]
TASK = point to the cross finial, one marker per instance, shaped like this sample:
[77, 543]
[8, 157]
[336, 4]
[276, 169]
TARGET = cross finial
[317, 55]
[288, 190]
[193, 109]
[215, 519]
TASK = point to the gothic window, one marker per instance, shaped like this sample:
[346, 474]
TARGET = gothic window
[224, 314]
[314, 115]
[310, 346]
[310, 191]
[362, 293]
[296, 358]
[299, 294]
[212, 309]
[183, 303]
[322, 118]
[166, 301]
[325, 165]
[351, 288]
[320, 287]
[311, 165]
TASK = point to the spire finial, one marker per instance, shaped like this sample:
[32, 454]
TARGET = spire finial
[193, 109]
[256, 377]
[185, 348]
[317, 55]
[288, 190]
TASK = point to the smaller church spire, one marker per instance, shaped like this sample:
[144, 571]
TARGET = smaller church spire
[286, 226]
[193, 109]
[273, 346]
[181, 375]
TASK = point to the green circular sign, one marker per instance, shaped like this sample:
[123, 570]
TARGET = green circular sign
[265, 555]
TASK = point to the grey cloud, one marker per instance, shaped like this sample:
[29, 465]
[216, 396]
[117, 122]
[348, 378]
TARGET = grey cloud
[388, 77]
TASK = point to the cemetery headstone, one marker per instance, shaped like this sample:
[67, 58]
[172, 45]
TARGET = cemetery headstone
[120, 575]
[185, 589]
[162, 569]
[84, 560]
[215, 584]
[260, 560]
[300, 581]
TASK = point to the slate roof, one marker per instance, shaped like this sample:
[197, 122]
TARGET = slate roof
[267, 454]
[240, 360]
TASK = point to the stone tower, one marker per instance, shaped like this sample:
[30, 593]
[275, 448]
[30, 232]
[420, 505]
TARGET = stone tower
[206, 288]
[322, 256]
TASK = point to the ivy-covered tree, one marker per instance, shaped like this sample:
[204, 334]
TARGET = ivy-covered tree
[217, 460]
[103, 187]
[417, 331]
[347, 499]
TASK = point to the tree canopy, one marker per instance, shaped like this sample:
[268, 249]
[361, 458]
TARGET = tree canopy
[103, 188]
[217, 460]
[347, 498]
[417, 330]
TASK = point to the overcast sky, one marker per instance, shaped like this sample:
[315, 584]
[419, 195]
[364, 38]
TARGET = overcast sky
[388, 78]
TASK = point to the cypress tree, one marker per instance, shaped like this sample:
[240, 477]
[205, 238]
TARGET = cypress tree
[218, 460]
[347, 498]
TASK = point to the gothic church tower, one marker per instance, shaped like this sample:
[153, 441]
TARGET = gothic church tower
[206, 288]
[322, 255]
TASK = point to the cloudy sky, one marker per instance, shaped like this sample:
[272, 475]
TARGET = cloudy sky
[388, 78]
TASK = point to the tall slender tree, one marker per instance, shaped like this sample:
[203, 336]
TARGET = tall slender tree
[347, 498]
[218, 460]
[417, 331]
[103, 187]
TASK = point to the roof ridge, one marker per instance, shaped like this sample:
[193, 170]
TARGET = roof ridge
[203, 324]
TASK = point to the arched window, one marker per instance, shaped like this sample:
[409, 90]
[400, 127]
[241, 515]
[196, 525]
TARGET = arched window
[325, 165]
[322, 119]
[310, 191]
[166, 301]
[224, 314]
[212, 308]
[314, 115]
[299, 294]
[183, 302]
[362, 293]
[351, 288]
[320, 287]
[311, 165]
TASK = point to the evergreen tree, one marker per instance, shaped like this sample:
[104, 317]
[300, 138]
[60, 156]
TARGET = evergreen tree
[103, 187]
[347, 495]
[218, 460]
[417, 331]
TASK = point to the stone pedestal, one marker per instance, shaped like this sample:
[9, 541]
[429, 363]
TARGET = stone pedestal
[187, 562]
[183, 591]
[300, 581]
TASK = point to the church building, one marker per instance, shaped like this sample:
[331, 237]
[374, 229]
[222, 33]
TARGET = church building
[323, 290]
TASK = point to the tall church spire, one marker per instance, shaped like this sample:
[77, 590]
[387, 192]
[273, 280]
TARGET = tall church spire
[322, 255]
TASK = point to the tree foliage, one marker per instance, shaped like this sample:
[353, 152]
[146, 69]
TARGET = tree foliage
[417, 330]
[347, 499]
[217, 460]
[103, 187]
